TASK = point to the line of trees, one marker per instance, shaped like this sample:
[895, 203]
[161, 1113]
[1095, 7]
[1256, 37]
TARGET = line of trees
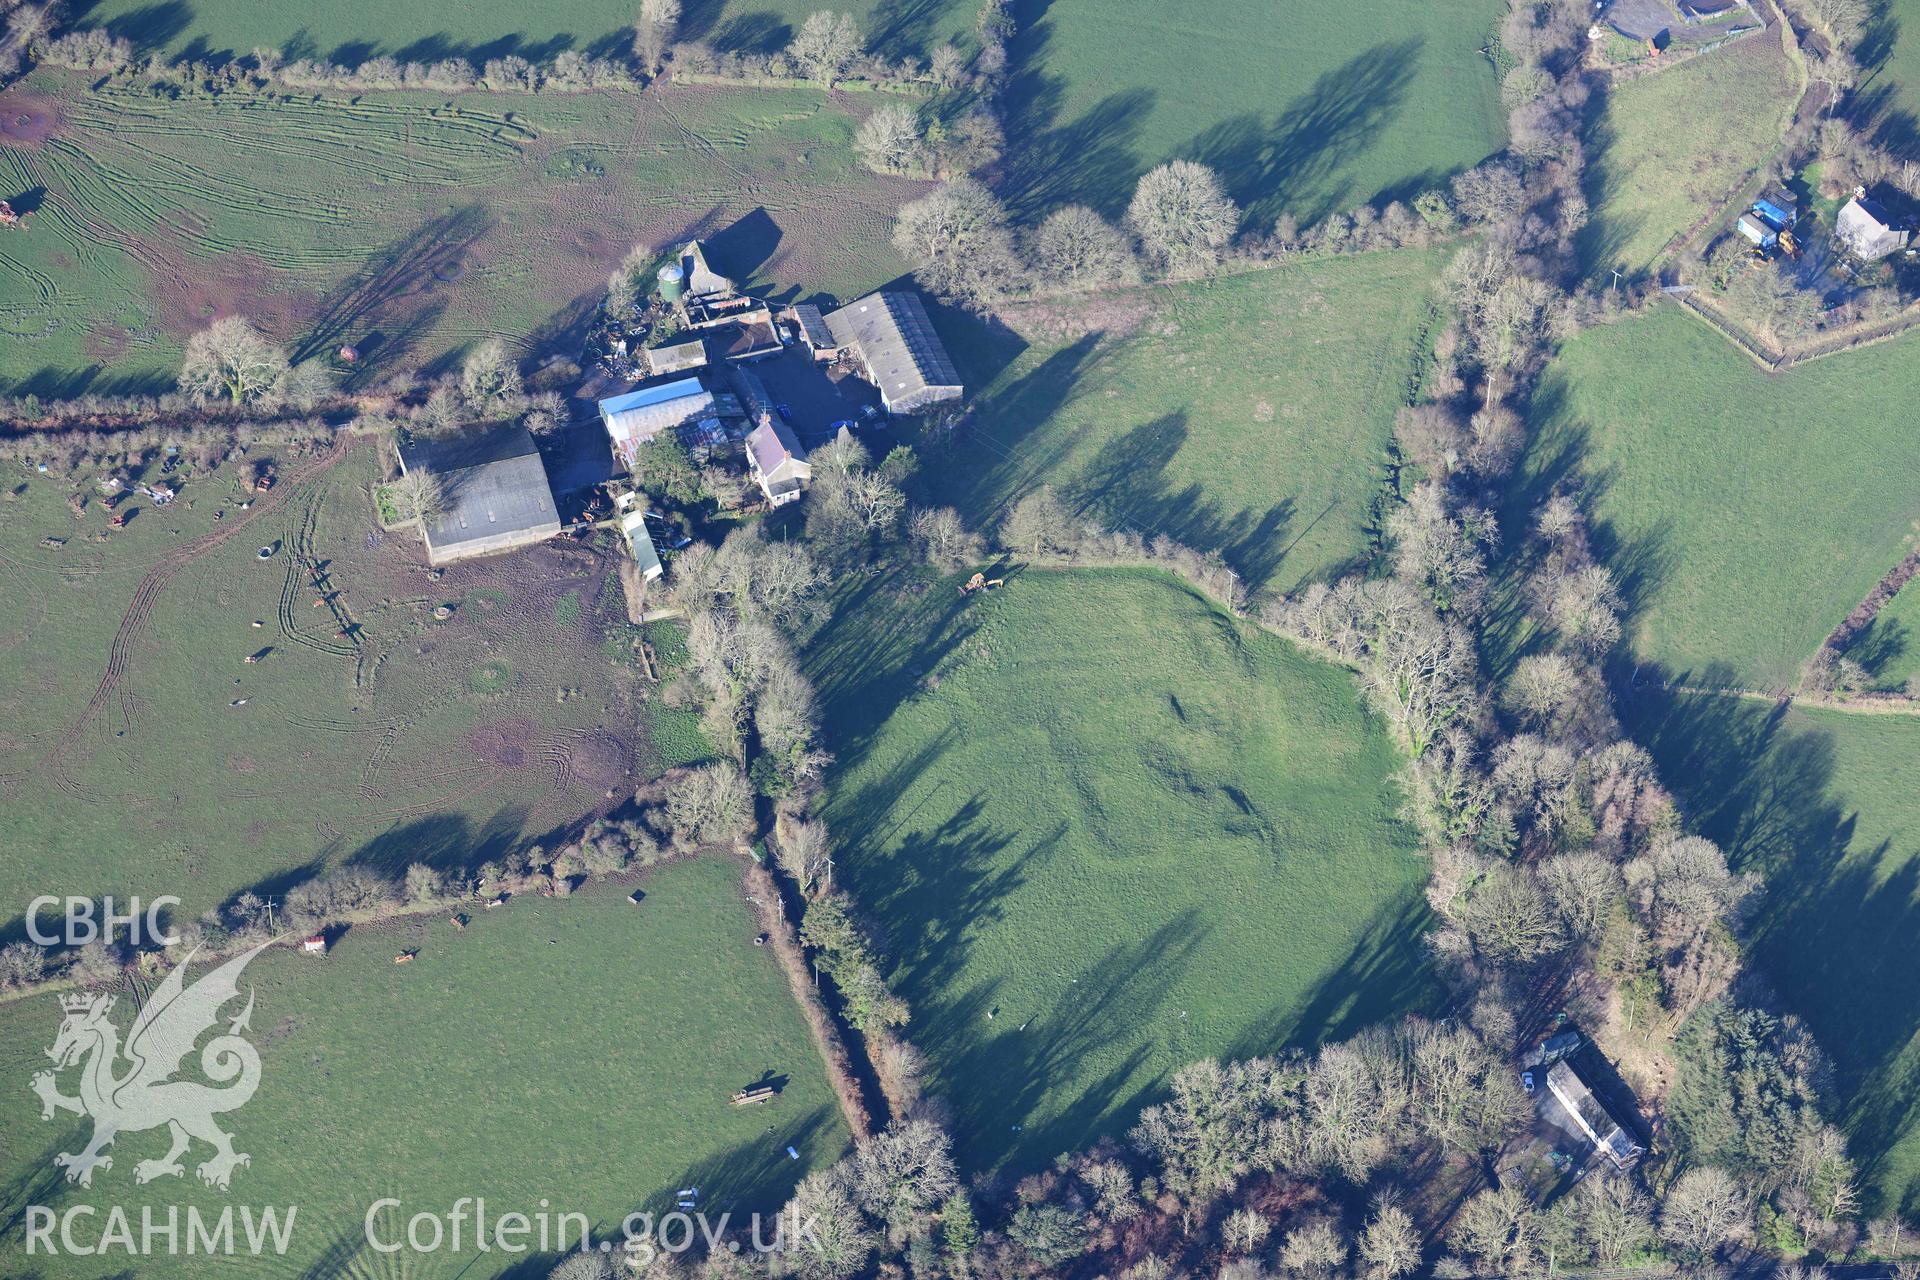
[1179, 223]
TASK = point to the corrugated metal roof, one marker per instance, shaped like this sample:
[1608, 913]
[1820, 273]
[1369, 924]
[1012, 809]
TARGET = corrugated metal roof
[492, 483]
[640, 542]
[896, 340]
[813, 326]
[646, 396]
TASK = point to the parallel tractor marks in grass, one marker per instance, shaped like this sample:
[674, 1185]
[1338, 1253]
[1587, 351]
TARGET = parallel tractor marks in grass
[407, 224]
[330, 764]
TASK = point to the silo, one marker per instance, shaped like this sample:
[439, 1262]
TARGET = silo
[673, 282]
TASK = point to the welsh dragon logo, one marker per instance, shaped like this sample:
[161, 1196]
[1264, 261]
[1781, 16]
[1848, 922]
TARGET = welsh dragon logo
[131, 1089]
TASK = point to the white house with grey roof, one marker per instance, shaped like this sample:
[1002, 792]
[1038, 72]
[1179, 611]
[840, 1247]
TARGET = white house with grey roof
[779, 464]
[494, 493]
[1868, 230]
[893, 339]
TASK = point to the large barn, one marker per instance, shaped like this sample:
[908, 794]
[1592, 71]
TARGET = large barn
[494, 493]
[894, 341]
[638, 416]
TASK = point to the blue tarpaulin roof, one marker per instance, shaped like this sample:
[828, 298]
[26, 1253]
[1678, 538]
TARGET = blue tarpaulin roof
[1779, 219]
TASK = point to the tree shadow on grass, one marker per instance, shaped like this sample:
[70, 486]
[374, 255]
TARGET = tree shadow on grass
[1838, 918]
[152, 27]
[377, 294]
[1268, 166]
[445, 842]
[1011, 1072]
[999, 459]
[1384, 975]
[51, 382]
[1049, 161]
[1559, 460]
[1130, 486]
[761, 32]
[1599, 245]
[905, 28]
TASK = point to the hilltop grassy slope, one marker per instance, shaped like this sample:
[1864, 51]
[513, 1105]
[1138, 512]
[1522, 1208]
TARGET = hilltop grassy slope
[1248, 415]
[578, 1051]
[1672, 144]
[1823, 804]
[1106, 830]
[1303, 107]
[1747, 513]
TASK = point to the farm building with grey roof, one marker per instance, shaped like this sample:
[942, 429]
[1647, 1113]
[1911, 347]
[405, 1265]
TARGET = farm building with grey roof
[894, 340]
[494, 493]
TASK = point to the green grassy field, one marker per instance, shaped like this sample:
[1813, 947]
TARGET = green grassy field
[1304, 108]
[1672, 145]
[579, 1052]
[407, 225]
[129, 770]
[1890, 648]
[1823, 804]
[1249, 414]
[1106, 830]
[1889, 94]
[1746, 513]
[351, 31]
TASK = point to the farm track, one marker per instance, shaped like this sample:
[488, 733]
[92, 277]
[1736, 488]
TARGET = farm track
[113, 687]
[300, 562]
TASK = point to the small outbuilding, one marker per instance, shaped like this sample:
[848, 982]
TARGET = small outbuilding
[751, 336]
[314, 946]
[679, 358]
[638, 416]
[1867, 229]
[779, 464]
[811, 325]
[891, 336]
[494, 492]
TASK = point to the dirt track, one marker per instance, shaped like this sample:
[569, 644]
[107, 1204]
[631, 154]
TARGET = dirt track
[132, 622]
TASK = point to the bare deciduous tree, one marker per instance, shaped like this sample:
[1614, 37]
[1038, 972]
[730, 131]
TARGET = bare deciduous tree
[957, 238]
[891, 140]
[902, 1173]
[1315, 1249]
[1706, 1210]
[707, 805]
[826, 45]
[1038, 524]
[659, 19]
[489, 377]
[944, 539]
[1389, 1245]
[1500, 1229]
[1584, 887]
[422, 493]
[1245, 1230]
[230, 358]
[1181, 213]
[1076, 248]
